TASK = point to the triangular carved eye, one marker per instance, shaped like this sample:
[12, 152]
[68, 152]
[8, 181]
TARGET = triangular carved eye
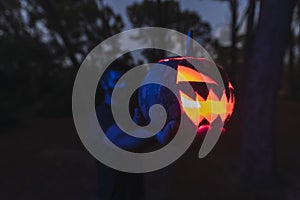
[186, 74]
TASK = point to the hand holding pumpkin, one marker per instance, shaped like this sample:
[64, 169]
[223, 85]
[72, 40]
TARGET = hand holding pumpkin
[165, 135]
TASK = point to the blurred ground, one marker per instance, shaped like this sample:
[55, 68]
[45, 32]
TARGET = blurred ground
[44, 159]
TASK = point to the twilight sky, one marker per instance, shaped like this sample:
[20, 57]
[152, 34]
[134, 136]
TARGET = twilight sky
[215, 12]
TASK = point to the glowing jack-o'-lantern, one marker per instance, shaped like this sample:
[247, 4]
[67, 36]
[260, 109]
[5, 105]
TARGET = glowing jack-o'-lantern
[199, 109]
[209, 103]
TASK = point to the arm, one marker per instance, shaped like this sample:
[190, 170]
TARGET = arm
[128, 142]
[125, 141]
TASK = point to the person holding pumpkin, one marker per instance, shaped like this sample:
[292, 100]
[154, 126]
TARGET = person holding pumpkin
[114, 184]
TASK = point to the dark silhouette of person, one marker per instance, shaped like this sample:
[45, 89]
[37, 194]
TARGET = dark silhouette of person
[114, 184]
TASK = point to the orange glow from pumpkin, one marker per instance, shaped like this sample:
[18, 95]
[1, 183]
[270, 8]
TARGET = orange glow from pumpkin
[198, 109]
[188, 74]
[181, 58]
[191, 107]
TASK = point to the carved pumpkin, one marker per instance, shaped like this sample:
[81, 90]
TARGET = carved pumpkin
[209, 104]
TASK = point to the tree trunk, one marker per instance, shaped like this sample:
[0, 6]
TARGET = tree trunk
[292, 78]
[250, 27]
[234, 16]
[298, 64]
[259, 91]
[249, 37]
